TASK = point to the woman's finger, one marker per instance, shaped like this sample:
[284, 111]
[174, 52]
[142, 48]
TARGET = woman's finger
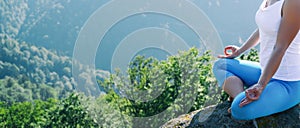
[222, 56]
[228, 50]
[226, 56]
[252, 94]
[244, 102]
[247, 92]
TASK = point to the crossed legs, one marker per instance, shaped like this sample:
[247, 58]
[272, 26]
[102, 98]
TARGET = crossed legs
[232, 75]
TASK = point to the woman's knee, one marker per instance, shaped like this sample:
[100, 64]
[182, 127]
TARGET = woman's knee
[220, 71]
[219, 64]
[220, 68]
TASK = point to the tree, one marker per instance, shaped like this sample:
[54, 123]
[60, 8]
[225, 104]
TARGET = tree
[71, 113]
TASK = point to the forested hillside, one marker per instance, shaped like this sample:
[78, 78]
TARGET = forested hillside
[46, 22]
[29, 72]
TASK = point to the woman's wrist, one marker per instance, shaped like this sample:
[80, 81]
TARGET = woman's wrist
[239, 52]
[260, 85]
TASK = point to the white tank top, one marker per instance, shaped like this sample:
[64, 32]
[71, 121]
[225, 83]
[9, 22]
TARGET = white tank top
[268, 20]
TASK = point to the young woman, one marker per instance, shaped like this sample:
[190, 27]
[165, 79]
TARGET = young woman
[273, 84]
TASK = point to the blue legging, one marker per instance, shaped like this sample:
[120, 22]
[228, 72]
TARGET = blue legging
[277, 96]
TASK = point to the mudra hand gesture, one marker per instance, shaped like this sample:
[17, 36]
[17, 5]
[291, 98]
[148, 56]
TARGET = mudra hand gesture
[230, 51]
[253, 93]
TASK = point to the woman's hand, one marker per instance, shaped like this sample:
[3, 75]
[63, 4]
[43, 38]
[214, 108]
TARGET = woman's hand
[230, 51]
[253, 93]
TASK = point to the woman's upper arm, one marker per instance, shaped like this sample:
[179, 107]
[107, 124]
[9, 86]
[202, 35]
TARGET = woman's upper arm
[290, 23]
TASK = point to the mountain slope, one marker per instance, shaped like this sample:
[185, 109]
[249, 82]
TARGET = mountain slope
[37, 73]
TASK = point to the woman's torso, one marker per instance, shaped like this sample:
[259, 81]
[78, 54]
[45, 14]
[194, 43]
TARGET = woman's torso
[268, 21]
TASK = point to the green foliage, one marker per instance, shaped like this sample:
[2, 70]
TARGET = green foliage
[31, 76]
[39, 73]
[46, 22]
[21, 90]
[106, 111]
[67, 113]
[71, 113]
[13, 15]
[167, 80]
[152, 86]
[74, 111]
[252, 55]
[29, 72]
[26, 114]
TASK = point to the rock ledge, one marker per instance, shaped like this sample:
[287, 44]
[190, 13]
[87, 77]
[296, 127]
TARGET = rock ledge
[216, 116]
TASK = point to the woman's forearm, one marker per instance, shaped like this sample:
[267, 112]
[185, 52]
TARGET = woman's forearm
[251, 42]
[272, 65]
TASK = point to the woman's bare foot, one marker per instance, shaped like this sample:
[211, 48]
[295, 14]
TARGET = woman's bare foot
[230, 99]
[229, 110]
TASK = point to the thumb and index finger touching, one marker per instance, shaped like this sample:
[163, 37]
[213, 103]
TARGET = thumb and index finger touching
[229, 52]
[251, 95]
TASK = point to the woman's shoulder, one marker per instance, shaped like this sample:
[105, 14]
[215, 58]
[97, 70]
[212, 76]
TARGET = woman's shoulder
[291, 10]
[291, 7]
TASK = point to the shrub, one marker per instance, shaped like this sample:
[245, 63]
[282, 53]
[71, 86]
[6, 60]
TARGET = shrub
[151, 87]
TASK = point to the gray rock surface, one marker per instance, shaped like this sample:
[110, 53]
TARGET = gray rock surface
[216, 116]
